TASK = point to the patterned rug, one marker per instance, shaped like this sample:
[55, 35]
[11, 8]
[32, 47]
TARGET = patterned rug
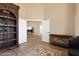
[44, 51]
[37, 50]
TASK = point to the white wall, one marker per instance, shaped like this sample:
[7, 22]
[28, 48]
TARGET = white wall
[76, 19]
[31, 10]
[61, 15]
[35, 25]
[22, 31]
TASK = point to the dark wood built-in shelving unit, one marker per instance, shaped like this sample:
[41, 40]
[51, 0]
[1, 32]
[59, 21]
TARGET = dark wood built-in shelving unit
[8, 26]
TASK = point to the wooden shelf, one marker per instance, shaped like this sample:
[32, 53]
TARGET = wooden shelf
[11, 39]
[11, 32]
[1, 41]
[11, 25]
[11, 18]
[7, 33]
[3, 33]
[6, 17]
[8, 25]
[8, 30]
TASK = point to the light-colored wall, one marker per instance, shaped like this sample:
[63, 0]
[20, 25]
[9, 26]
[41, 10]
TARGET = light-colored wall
[61, 16]
[77, 20]
[22, 10]
[31, 11]
[35, 25]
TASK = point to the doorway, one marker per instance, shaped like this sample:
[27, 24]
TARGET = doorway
[33, 31]
[38, 30]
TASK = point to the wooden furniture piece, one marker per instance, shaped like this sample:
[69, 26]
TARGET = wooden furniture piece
[60, 40]
[30, 29]
[8, 26]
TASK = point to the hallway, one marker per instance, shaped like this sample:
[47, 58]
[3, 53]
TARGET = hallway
[33, 39]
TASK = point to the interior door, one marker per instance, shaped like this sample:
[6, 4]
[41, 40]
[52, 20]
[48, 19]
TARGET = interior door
[22, 31]
[45, 30]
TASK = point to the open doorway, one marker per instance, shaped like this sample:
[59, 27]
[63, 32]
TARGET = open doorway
[34, 31]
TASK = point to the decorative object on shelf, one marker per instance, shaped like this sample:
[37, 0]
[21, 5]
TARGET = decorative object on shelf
[1, 21]
[1, 29]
